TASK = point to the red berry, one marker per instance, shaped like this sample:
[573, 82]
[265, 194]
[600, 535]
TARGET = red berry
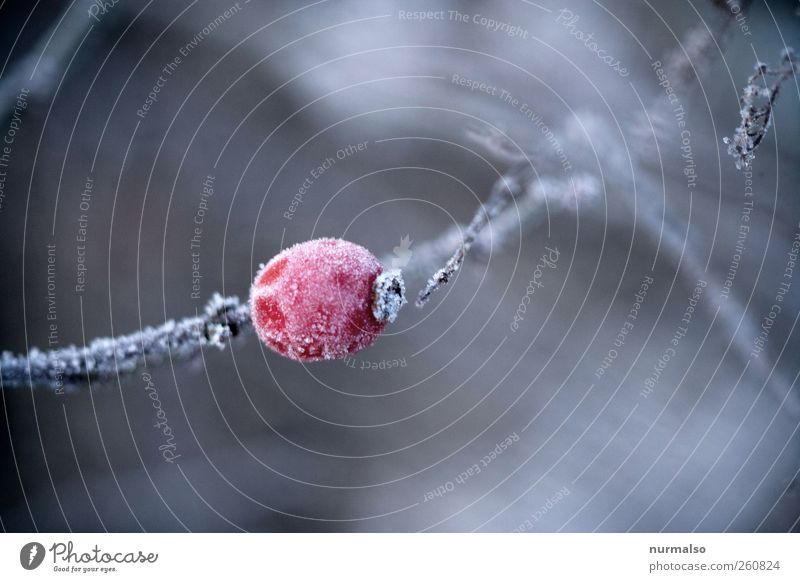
[316, 300]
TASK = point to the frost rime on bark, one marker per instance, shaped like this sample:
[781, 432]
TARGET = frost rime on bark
[105, 358]
[756, 119]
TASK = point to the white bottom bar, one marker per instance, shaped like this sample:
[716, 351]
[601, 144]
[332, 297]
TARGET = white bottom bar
[354, 557]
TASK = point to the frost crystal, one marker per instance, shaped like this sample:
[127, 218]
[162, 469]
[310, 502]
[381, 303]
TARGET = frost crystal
[389, 296]
[313, 301]
[756, 119]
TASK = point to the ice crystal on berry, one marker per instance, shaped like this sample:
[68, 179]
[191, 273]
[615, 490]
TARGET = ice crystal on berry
[313, 301]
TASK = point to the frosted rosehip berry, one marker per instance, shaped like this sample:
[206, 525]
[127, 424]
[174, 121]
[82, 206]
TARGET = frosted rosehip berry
[323, 299]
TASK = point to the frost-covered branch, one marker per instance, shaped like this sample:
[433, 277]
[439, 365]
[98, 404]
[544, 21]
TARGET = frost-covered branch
[756, 119]
[540, 197]
[518, 198]
[105, 358]
[505, 189]
[534, 196]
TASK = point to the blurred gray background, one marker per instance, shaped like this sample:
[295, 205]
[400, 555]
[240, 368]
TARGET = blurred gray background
[404, 436]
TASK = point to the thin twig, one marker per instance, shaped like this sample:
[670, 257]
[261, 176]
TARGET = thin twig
[520, 184]
[504, 190]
